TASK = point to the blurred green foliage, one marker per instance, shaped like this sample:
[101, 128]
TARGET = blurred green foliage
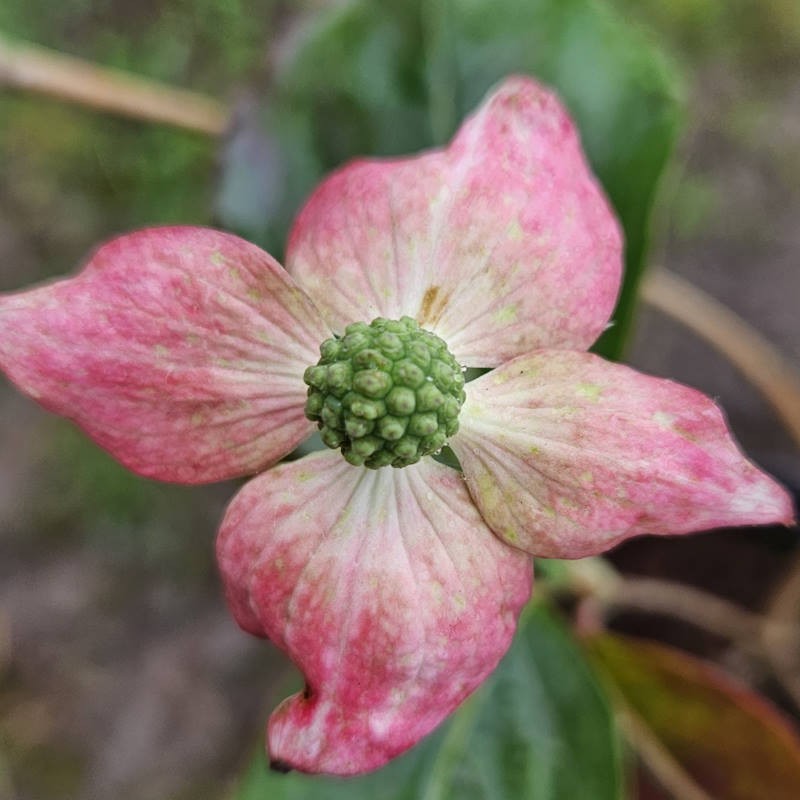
[135, 523]
[761, 33]
[75, 177]
[62, 777]
[209, 45]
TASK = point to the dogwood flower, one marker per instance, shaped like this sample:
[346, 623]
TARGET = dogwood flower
[393, 582]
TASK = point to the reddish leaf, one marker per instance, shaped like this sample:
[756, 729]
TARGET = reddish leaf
[730, 740]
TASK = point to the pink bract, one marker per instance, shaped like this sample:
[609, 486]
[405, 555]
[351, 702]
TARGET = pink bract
[396, 591]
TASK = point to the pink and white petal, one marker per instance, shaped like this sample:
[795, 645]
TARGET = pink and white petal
[384, 586]
[566, 455]
[179, 350]
[501, 243]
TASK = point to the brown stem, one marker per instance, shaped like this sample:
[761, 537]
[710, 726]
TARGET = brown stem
[614, 592]
[37, 69]
[598, 579]
[774, 637]
[691, 605]
[658, 761]
[783, 656]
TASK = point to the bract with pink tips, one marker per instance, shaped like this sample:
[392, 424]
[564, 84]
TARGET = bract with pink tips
[185, 352]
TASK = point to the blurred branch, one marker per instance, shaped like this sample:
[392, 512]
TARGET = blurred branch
[697, 607]
[658, 761]
[36, 69]
[783, 608]
[774, 637]
[5, 643]
[597, 579]
[760, 362]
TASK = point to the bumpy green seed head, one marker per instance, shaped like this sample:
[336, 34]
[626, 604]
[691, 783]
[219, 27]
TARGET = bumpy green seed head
[386, 393]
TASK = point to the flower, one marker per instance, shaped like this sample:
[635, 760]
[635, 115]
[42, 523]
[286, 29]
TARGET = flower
[395, 590]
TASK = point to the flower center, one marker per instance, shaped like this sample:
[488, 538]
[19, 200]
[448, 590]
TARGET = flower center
[386, 393]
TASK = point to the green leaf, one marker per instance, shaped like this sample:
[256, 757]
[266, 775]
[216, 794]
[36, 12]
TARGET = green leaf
[358, 73]
[538, 728]
[731, 741]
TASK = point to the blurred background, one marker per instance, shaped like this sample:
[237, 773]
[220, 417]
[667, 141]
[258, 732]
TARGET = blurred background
[121, 673]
